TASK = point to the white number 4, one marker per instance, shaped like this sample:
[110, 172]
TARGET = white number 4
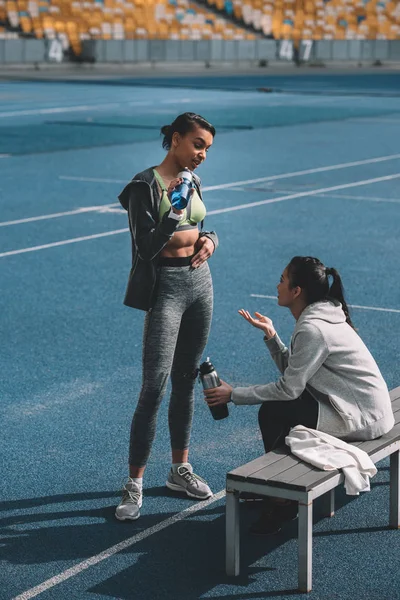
[56, 51]
[286, 50]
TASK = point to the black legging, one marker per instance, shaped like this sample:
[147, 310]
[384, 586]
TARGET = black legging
[277, 418]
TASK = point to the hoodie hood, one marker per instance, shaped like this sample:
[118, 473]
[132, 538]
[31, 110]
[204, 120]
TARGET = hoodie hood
[325, 310]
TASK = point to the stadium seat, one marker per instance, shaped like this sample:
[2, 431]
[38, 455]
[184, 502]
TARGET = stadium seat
[184, 19]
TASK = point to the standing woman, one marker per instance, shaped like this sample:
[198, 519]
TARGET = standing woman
[170, 280]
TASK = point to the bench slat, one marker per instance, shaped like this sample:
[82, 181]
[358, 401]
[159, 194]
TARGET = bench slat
[305, 477]
[371, 446]
[259, 463]
[269, 472]
[395, 393]
[310, 480]
[280, 468]
[396, 405]
[290, 475]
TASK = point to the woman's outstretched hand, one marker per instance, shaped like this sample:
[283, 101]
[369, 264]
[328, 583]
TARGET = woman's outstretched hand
[260, 321]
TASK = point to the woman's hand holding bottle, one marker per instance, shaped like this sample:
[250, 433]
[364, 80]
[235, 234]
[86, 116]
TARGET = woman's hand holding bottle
[261, 322]
[173, 184]
[180, 190]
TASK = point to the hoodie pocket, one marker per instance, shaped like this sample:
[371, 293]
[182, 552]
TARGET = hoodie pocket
[336, 404]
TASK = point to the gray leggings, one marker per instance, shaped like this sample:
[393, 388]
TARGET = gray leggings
[175, 334]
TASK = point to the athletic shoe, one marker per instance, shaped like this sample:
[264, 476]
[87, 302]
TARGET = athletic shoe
[132, 498]
[184, 480]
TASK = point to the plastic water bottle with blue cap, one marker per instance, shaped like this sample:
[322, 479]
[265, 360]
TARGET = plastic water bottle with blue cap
[181, 194]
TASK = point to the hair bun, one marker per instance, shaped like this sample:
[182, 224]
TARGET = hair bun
[165, 129]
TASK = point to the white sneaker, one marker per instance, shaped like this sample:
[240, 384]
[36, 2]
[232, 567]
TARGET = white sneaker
[184, 480]
[132, 498]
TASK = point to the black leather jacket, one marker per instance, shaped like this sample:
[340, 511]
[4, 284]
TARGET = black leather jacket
[141, 198]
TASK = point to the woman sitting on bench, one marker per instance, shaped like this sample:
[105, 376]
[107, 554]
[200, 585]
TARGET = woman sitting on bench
[329, 380]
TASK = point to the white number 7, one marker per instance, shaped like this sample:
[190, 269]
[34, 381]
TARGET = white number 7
[307, 44]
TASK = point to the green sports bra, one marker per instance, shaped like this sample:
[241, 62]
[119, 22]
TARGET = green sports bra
[194, 213]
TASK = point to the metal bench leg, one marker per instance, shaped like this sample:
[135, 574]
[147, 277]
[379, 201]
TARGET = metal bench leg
[394, 513]
[328, 501]
[305, 547]
[232, 533]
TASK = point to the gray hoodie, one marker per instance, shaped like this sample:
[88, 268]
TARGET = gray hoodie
[329, 359]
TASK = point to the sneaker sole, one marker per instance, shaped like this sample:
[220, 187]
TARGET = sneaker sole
[177, 488]
[127, 518]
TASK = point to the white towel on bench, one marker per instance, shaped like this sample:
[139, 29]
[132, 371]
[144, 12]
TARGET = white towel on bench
[329, 453]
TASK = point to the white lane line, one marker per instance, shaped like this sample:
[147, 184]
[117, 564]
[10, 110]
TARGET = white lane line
[85, 107]
[364, 198]
[378, 308]
[215, 212]
[231, 185]
[393, 310]
[259, 179]
[100, 208]
[57, 110]
[373, 120]
[91, 179]
[4, 155]
[64, 242]
[303, 194]
[339, 196]
[94, 560]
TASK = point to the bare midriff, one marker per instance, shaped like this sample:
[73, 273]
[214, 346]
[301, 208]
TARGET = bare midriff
[181, 244]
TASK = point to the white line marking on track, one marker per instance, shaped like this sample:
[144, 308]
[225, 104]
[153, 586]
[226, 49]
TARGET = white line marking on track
[364, 198]
[373, 120]
[378, 308]
[215, 212]
[58, 110]
[339, 196]
[91, 179]
[85, 107]
[78, 211]
[4, 155]
[94, 560]
[205, 189]
[259, 179]
[307, 193]
[64, 242]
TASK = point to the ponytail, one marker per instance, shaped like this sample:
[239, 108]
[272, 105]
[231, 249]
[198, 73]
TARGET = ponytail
[311, 275]
[337, 293]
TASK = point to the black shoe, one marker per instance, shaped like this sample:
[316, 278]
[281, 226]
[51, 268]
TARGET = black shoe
[273, 516]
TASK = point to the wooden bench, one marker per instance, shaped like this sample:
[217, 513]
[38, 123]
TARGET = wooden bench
[281, 474]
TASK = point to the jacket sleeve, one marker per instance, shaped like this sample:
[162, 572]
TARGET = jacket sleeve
[309, 353]
[212, 236]
[149, 236]
[279, 352]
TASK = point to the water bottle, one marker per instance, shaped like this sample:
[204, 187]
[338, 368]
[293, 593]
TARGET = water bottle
[209, 379]
[180, 194]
